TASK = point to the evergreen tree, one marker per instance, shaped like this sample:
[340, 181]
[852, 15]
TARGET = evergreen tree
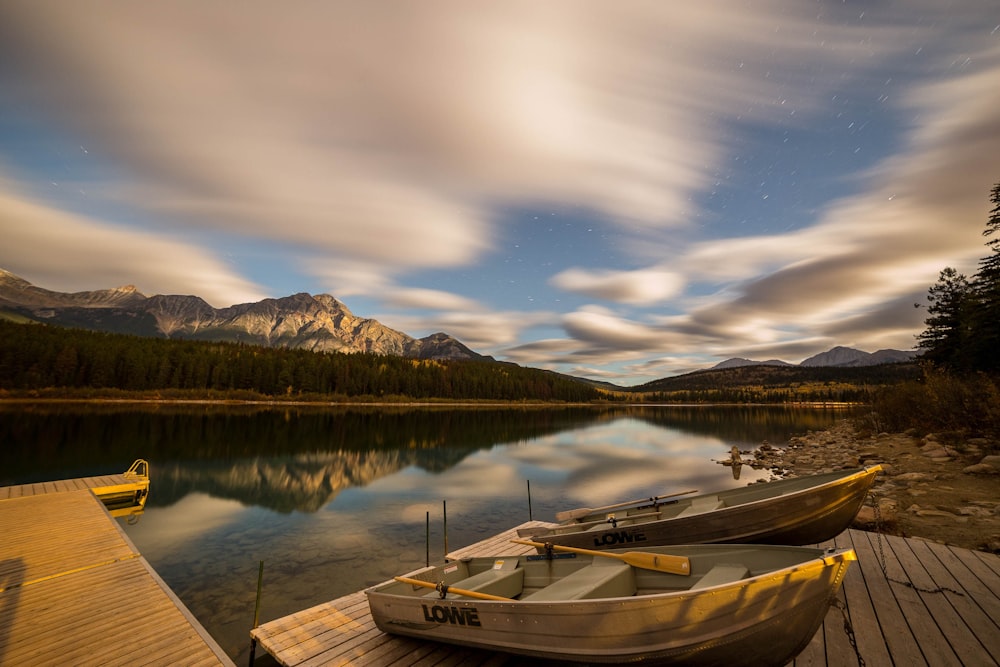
[946, 338]
[986, 285]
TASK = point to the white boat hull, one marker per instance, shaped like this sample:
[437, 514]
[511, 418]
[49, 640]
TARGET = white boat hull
[767, 618]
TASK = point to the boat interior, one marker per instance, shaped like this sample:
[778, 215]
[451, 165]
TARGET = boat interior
[566, 576]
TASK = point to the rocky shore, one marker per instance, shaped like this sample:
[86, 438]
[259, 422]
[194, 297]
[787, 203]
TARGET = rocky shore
[944, 493]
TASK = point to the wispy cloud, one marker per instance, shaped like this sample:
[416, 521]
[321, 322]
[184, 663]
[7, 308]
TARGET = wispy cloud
[640, 287]
[91, 254]
[374, 148]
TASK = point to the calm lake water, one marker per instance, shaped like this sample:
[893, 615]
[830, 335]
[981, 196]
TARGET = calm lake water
[337, 499]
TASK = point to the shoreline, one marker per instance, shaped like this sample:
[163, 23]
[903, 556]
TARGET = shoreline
[830, 405]
[946, 493]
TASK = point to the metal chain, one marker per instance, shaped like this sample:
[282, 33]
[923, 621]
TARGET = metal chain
[849, 630]
[882, 561]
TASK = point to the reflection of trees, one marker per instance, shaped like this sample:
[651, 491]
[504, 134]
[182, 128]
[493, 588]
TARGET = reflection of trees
[742, 424]
[303, 482]
[45, 442]
[300, 482]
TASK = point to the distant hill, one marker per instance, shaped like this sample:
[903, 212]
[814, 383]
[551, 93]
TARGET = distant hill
[737, 362]
[319, 322]
[786, 375]
[845, 356]
[839, 357]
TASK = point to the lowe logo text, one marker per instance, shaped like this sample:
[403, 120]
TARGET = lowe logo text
[621, 537]
[452, 615]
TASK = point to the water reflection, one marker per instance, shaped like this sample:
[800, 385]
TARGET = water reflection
[333, 500]
[45, 439]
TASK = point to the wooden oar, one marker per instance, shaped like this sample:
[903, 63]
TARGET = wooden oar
[573, 527]
[569, 515]
[630, 517]
[647, 561]
[452, 589]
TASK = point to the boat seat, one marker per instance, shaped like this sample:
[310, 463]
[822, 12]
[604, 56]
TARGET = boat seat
[604, 578]
[701, 505]
[722, 573]
[505, 580]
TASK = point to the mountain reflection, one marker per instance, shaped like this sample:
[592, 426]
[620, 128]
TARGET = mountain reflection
[302, 482]
[42, 438]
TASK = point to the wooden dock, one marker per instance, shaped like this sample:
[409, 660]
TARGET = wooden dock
[75, 591]
[932, 605]
[128, 488]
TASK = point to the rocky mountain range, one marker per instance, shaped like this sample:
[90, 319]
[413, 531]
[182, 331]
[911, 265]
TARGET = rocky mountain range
[312, 322]
[841, 357]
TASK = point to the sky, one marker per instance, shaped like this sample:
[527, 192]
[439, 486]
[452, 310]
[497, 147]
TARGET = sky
[622, 191]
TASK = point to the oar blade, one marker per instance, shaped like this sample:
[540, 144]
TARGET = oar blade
[449, 589]
[572, 515]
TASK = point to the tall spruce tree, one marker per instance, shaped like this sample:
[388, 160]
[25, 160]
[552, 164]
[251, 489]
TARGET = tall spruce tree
[946, 339]
[986, 285]
[963, 327]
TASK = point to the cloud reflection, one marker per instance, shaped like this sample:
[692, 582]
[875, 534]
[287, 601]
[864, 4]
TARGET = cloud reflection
[164, 529]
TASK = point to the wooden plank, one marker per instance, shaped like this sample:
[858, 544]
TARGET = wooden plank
[983, 566]
[838, 651]
[348, 652]
[933, 643]
[63, 485]
[861, 612]
[984, 630]
[63, 633]
[975, 577]
[47, 535]
[961, 640]
[48, 643]
[438, 657]
[74, 590]
[310, 631]
[497, 545]
[815, 653]
[394, 652]
[992, 561]
[976, 591]
[903, 645]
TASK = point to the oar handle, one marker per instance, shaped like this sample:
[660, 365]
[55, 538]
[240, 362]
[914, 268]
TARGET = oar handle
[645, 560]
[451, 589]
[559, 547]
